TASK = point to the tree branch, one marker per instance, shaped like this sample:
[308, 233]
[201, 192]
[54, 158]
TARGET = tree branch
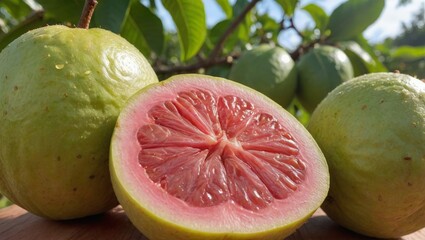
[304, 48]
[196, 66]
[212, 58]
[219, 47]
[291, 20]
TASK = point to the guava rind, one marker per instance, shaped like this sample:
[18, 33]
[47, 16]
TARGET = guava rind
[149, 207]
[372, 132]
[269, 70]
[60, 94]
[319, 71]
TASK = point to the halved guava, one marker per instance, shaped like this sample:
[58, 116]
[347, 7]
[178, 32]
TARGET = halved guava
[198, 157]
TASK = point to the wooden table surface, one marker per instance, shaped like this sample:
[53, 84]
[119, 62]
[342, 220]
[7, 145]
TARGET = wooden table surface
[16, 223]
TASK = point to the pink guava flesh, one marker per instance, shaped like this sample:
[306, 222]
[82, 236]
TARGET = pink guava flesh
[211, 155]
[207, 149]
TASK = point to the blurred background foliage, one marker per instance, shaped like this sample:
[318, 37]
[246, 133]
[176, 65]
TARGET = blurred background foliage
[192, 45]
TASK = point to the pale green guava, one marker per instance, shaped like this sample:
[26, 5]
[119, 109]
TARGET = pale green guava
[372, 132]
[320, 70]
[269, 70]
[61, 90]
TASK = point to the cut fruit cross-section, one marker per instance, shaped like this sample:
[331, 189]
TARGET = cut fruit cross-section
[197, 157]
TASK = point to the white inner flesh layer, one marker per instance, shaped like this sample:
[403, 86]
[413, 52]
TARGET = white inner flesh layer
[206, 150]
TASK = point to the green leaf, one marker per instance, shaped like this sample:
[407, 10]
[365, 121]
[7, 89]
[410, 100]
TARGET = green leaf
[217, 31]
[318, 14]
[269, 29]
[245, 26]
[408, 53]
[110, 14]
[353, 17]
[17, 9]
[239, 6]
[64, 11]
[361, 60]
[288, 6]
[226, 7]
[189, 17]
[35, 21]
[364, 44]
[143, 29]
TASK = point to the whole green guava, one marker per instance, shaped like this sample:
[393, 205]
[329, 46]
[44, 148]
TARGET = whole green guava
[372, 132]
[61, 90]
[320, 70]
[269, 70]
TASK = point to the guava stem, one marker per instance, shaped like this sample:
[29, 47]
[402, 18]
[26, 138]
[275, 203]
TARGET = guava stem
[87, 14]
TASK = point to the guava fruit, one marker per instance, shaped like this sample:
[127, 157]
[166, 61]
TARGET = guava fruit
[320, 70]
[372, 132]
[269, 70]
[61, 90]
[198, 157]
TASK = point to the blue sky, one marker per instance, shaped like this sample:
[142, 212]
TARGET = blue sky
[388, 24]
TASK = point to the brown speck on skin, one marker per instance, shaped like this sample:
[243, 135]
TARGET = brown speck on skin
[65, 94]
[407, 158]
[4, 113]
[79, 156]
[58, 158]
[5, 76]
[382, 101]
[409, 184]
[364, 107]
[92, 176]
[379, 198]
[15, 88]
[46, 109]
[74, 189]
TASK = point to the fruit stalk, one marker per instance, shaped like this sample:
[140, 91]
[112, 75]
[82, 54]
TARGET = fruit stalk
[87, 13]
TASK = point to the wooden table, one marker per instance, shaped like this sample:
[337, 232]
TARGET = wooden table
[16, 223]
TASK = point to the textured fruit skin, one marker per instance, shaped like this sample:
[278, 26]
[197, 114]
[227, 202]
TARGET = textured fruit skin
[319, 71]
[269, 70]
[61, 91]
[372, 132]
[148, 218]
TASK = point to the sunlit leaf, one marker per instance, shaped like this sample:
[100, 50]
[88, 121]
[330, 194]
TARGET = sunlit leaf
[364, 44]
[288, 6]
[319, 16]
[144, 29]
[226, 7]
[353, 17]
[408, 52]
[361, 60]
[17, 9]
[189, 18]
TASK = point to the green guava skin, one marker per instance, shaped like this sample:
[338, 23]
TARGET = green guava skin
[61, 90]
[372, 132]
[269, 70]
[320, 70]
